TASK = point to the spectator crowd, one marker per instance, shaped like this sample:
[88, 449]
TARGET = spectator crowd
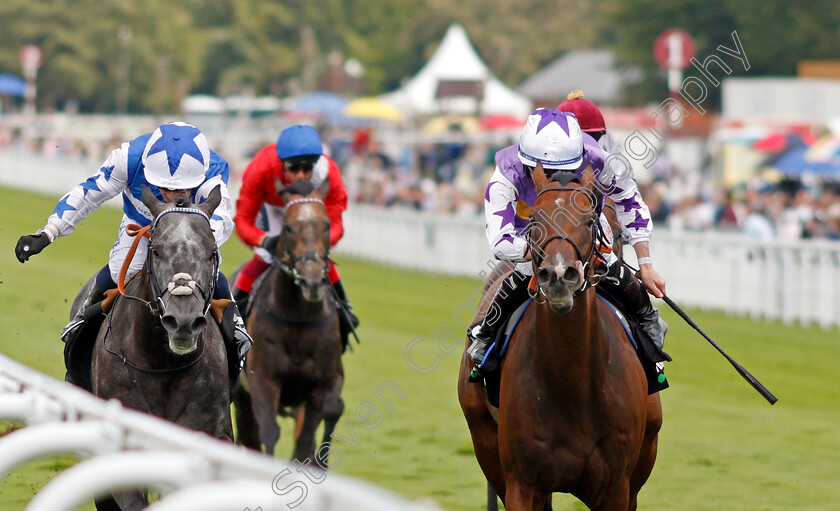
[450, 178]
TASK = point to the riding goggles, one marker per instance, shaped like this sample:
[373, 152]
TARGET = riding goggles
[305, 163]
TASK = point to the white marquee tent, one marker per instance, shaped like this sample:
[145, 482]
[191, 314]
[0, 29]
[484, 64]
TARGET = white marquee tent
[457, 65]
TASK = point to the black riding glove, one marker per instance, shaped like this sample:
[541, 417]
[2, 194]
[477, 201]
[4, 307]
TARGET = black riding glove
[28, 246]
[270, 243]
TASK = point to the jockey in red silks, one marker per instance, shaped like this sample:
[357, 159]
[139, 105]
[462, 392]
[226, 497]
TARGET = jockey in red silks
[298, 155]
[556, 139]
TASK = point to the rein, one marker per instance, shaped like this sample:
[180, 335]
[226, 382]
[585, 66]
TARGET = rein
[138, 233]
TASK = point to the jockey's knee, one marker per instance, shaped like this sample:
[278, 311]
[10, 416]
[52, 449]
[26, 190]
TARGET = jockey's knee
[104, 280]
[222, 287]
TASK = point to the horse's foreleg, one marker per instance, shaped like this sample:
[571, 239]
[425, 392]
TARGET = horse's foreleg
[126, 501]
[484, 431]
[333, 408]
[523, 497]
[247, 429]
[106, 504]
[265, 397]
[314, 412]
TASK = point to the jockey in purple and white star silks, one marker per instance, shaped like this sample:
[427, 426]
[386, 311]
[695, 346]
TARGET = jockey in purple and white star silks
[512, 190]
[555, 139]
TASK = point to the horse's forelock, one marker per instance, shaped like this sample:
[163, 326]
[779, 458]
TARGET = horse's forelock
[184, 226]
[306, 209]
[183, 202]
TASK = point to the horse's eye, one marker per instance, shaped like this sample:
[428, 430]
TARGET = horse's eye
[155, 252]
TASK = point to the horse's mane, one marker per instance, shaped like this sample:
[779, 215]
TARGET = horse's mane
[564, 177]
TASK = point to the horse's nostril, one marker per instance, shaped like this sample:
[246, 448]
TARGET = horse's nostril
[571, 276]
[169, 323]
[198, 325]
[544, 275]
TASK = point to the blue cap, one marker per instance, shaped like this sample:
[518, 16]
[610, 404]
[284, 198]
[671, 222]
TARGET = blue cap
[299, 140]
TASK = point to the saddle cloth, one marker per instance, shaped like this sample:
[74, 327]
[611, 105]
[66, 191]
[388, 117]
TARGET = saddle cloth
[650, 356]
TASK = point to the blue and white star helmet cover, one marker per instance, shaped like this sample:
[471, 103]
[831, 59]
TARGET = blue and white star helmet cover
[176, 157]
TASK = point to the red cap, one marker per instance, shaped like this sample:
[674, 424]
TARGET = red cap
[588, 115]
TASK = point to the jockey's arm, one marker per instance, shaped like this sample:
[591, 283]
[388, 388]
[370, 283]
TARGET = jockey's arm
[654, 282]
[336, 203]
[251, 198]
[500, 211]
[108, 182]
[221, 221]
[634, 217]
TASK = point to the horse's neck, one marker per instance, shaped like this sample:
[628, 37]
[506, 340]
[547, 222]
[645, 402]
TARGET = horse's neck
[572, 343]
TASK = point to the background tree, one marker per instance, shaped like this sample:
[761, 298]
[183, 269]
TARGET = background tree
[281, 46]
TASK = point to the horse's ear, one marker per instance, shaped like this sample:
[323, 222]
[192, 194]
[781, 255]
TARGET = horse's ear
[540, 179]
[281, 190]
[323, 190]
[150, 201]
[212, 202]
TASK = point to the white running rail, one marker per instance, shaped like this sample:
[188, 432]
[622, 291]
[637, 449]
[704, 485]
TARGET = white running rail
[126, 449]
[711, 270]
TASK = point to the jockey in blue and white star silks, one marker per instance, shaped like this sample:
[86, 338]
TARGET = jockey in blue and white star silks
[554, 139]
[174, 157]
[174, 162]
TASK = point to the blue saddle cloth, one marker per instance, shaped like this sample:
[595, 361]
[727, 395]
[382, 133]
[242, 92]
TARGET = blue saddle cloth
[491, 365]
[499, 348]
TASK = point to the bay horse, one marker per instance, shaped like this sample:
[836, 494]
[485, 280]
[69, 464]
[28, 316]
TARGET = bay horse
[574, 415]
[157, 351]
[295, 363]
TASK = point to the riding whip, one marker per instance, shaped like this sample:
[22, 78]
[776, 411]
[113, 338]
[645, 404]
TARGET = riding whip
[738, 367]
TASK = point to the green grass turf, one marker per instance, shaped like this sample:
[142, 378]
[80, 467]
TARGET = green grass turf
[722, 446]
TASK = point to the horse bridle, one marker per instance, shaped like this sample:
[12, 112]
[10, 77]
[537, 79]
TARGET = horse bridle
[158, 307]
[288, 262]
[595, 230]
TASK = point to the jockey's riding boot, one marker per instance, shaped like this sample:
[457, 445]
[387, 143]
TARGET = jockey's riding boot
[73, 328]
[347, 320]
[622, 285]
[345, 304]
[512, 292]
[237, 340]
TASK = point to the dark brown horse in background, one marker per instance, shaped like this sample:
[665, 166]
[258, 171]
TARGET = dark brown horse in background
[574, 413]
[296, 357]
[158, 351]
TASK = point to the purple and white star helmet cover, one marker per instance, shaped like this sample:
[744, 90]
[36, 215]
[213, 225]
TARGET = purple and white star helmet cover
[176, 157]
[553, 138]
